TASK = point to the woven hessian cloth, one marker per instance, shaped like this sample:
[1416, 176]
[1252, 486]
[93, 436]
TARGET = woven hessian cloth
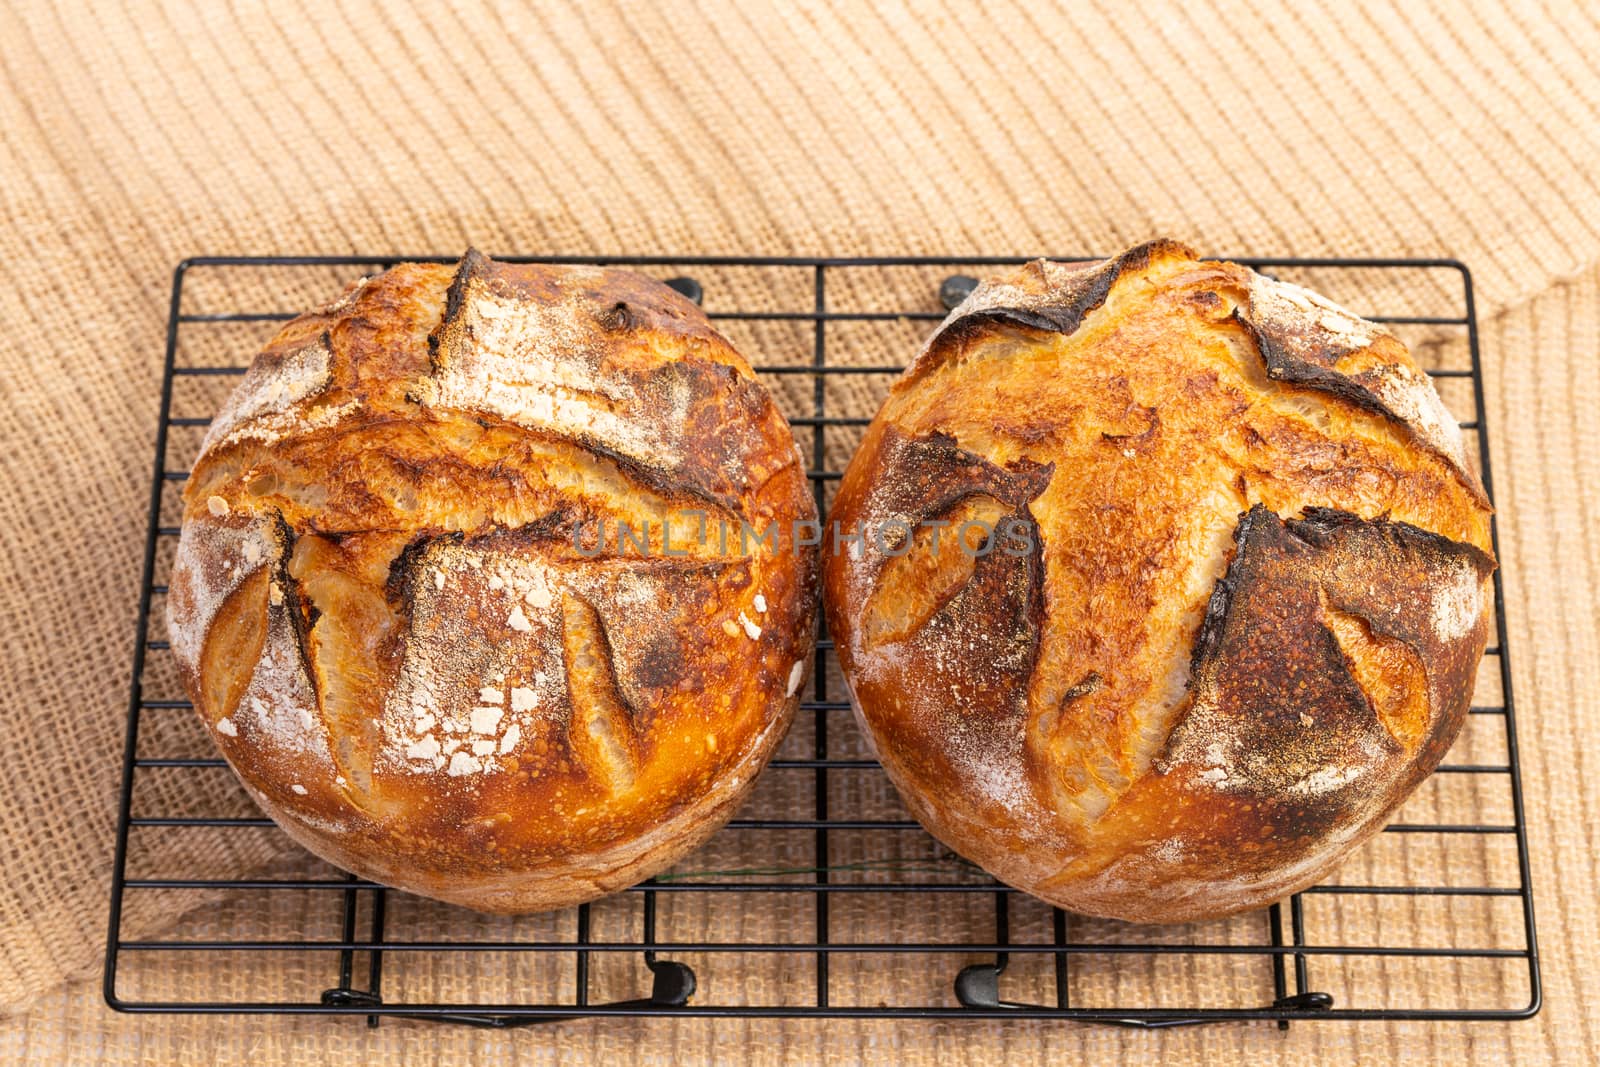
[133, 135]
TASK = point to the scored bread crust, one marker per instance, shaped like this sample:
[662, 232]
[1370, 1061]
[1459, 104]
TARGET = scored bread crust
[406, 605]
[1234, 602]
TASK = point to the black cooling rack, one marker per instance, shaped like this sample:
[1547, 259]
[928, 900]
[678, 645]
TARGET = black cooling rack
[1278, 963]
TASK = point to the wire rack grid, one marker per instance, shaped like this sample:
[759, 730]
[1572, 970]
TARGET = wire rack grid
[860, 914]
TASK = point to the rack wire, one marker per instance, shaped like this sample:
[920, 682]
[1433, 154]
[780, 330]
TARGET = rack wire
[860, 914]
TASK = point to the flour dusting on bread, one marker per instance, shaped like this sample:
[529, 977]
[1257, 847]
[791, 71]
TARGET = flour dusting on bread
[1260, 559]
[400, 599]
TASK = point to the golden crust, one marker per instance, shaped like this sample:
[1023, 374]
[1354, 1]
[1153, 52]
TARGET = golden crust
[404, 604]
[1234, 604]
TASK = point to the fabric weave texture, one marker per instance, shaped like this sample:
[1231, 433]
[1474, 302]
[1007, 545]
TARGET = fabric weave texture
[133, 134]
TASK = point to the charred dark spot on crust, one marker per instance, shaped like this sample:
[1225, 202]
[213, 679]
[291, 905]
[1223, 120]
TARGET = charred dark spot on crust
[1248, 609]
[618, 317]
[1275, 694]
[1310, 365]
[550, 525]
[401, 582]
[1323, 529]
[1303, 350]
[1064, 317]
[401, 578]
[1139, 256]
[473, 264]
[620, 299]
[1206, 641]
[660, 665]
[927, 476]
[1033, 564]
[301, 614]
[998, 613]
[415, 467]
[1052, 297]
[1320, 527]
[1090, 285]
[1152, 427]
[1088, 684]
[998, 617]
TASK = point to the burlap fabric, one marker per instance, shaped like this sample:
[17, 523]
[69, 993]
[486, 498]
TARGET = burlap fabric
[134, 135]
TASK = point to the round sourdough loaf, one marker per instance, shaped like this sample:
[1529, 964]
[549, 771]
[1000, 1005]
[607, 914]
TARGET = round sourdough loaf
[445, 594]
[1231, 607]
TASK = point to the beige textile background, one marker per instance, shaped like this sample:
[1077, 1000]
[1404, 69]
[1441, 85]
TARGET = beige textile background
[134, 134]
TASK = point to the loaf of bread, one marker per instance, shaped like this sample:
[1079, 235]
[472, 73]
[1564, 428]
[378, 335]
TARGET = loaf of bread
[450, 592]
[1171, 583]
